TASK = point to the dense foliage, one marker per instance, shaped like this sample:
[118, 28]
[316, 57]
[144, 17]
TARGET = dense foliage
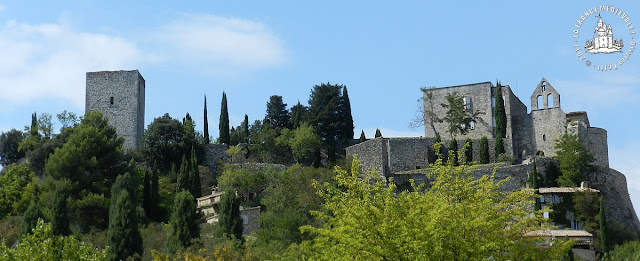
[575, 160]
[501, 121]
[223, 125]
[183, 224]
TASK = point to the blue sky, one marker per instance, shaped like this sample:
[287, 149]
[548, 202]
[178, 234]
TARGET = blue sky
[382, 52]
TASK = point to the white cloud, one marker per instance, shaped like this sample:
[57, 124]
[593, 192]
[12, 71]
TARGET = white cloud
[50, 61]
[222, 41]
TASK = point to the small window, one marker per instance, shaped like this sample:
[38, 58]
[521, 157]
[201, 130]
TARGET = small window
[467, 103]
[544, 137]
[545, 215]
[493, 101]
[472, 125]
[542, 198]
[544, 86]
[556, 198]
[111, 100]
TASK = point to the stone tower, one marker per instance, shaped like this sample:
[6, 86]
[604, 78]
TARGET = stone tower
[119, 95]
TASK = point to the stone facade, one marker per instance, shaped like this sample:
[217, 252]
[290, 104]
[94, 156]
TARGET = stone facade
[528, 134]
[119, 95]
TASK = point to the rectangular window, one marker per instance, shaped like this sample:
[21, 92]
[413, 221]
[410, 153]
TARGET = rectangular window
[473, 125]
[467, 103]
[545, 215]
[556, 198]
[542, 198]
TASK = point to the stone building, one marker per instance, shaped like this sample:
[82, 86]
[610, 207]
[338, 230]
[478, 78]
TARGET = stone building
[119, 95]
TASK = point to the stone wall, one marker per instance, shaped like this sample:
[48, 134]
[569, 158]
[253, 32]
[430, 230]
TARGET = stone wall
[408, 153]
[611, 183]
[215, 152]
[596, 141]
[372, 155]
[548, 126]
[120, 96]
[250, 218]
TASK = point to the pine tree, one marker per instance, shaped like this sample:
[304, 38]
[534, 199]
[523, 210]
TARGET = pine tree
[206, 122]
[146, 193]
[378, 133]
[484, 150]
[277, 114]
[196, 188]
[501, 121]
[346, 114]
[229, 220]
[469, 150]
[123, 237]
[298, 115]
[223, 125]
[184, 222]
[363, 138]
[30, 218]
[604, 245]
[60, 221]
[183, 181]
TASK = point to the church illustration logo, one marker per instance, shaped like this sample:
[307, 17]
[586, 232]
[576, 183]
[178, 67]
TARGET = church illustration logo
[595, 43]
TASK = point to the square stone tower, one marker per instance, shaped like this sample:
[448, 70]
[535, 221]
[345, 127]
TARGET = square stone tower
[119, 95]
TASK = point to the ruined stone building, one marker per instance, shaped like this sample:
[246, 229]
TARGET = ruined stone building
[119, 95]
[528, 133]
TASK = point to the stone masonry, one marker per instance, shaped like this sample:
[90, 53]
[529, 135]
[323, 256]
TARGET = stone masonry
[119, 95]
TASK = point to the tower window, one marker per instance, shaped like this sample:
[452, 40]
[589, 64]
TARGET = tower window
[544, 86]
[544, 137]
[111, 100]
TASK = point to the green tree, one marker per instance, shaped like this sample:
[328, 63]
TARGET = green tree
[298, 114]
[574, 158]
[453, 151]
[346, 115]
[154, 198]
[43, 244]
[604, 246]
[223, 125]
[30, 218]
[484, 150]
[457, 116]
[229, 220]
[67, 119]
[325, 112]
[195, 186]
[9, 143]
[551, 176]
[146, 192]
[123, 237]
[60, 220]
[184, 181]
[469, 150]
[247, 182]
[206, 122]
[12, 184]
[459, 218]
[378, 133]
[184, 222]
[363, 138]
[501, 120]
[92, 157]
[245, 129]
[304, 144]
[163, 142]
[45, 125]
[533, 183]
[277, 114]
[628, 251]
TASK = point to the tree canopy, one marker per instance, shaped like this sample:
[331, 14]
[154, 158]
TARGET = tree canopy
[457, 116]
[574, 158]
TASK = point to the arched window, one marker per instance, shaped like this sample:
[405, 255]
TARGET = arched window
[540, 105]
[544, 86]
[550, 101]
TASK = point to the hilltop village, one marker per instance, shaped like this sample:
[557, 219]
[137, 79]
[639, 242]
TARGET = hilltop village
[167, 191]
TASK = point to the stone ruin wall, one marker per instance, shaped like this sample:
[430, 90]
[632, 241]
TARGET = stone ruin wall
[611, 183]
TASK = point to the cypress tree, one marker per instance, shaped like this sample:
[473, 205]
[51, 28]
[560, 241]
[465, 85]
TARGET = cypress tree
[183, 222]
[196, 188]
[146, 193]
[534, 185]
[245, 129]
[469, 150]
[362, 137]
[223, 125]
[123, 237]
[453, 151]
[484, 150]
[183, 181]
[501, 121]
[229, 220]
[346, 114]
[30, 218]
[604, 245]
[378, 133]
[206, 122]
[34, 126]
[60, 221]
[155, 195]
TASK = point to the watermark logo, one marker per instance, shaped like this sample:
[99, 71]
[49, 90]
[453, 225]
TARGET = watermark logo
[595, 43]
